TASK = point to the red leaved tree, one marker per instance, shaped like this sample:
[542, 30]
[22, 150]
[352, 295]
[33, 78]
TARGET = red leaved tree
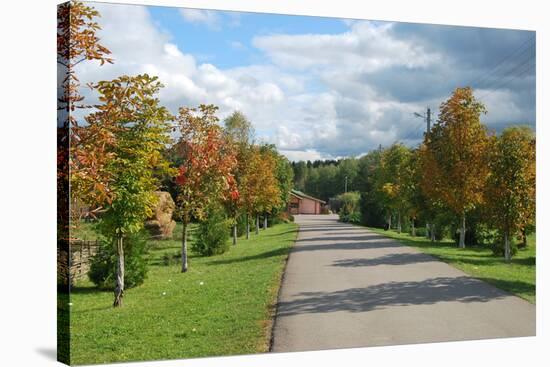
[206, 172]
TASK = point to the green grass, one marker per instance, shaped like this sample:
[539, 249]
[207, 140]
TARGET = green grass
[517, 277]
[222, 306]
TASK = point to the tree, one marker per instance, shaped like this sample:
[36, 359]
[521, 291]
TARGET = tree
[206, 172]
[347, 173]
[284, 176]
[300, 175]
[455, 154]
[511, 185]
[136, 131]
[239, 134]
[394, 167]
[259, 189]
[76, 42]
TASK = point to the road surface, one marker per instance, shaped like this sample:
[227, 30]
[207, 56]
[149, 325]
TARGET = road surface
[345, 286]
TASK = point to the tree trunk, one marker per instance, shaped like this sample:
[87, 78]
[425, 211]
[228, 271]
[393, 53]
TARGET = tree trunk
[432, 232]
[462, 236]
[427, 230]
[398, 222]
[389, 221]
[265, 221]
[234, 234]
[507, 250]
[119, 289]
[184, 264]
[413, 229]
[247, 227]
[523, 243]
[257, 223]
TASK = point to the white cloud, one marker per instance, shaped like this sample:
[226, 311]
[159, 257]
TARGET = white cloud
[367, 46]
[302, 155]
[187, 83]
[198, 16]
[316, 97]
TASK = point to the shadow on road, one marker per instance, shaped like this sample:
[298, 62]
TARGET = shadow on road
[365, 245]
[392, 259]
[429, 291]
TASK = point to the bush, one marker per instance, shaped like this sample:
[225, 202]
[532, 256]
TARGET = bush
[241, 225]
[213, 234]
[498, 246]
[420, 231]
[372, 213]
[349, 211]
[103, 265]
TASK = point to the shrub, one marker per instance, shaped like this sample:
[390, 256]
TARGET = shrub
[103, 265]
[498, 246]
[349, 211]
[420, 231]
[213, 234]
[241, 225]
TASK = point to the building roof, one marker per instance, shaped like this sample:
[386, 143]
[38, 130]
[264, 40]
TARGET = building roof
[301, 195]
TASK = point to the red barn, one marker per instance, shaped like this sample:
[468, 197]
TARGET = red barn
[301, 203]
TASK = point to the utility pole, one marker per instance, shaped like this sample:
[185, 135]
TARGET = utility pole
[346, 184]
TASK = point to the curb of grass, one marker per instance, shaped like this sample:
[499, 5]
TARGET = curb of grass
[274, 308]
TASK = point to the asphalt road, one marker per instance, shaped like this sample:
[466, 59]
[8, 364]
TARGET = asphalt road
[345, 286]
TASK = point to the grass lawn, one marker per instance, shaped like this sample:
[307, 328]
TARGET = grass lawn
[517, 277]
[222, 306]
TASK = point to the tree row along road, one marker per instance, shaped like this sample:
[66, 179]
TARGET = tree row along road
[345, 286]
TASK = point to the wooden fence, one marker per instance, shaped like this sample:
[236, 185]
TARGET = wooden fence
[73, 259]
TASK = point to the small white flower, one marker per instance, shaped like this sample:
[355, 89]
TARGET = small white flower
[164, 293]
[201, 283]
[169, 280]
[194, 329]
[70, 303]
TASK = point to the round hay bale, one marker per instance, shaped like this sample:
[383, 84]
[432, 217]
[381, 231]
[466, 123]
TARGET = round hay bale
[160, 224]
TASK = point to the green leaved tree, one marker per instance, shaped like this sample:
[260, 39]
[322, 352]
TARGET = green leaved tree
[511, 187]
[135, 130]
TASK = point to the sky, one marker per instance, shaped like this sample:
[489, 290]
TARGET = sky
[318, 88]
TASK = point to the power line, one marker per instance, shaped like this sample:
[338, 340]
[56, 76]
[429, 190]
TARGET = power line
[521, 70]
[495, 68]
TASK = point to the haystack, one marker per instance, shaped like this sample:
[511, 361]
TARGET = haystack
[161, 225]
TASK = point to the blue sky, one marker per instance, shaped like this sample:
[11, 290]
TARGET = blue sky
[228, 42]
[319, 87]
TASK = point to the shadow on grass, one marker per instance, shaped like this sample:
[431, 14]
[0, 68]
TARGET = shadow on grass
[88, 290]
[263, 255]
[277, 234]
[512, 286]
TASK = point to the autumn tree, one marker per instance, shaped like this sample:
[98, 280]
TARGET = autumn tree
[284, 176]
[455, 154]
[511, 184]
[269, 195]
[135, 131]
[206, 172]
[239, 133]
[258, 186]
[77, 42]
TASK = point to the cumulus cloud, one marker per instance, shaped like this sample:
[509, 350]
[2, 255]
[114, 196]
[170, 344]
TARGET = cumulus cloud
[368, 46]
[198, 16]
[138, 46]
[326, 95]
